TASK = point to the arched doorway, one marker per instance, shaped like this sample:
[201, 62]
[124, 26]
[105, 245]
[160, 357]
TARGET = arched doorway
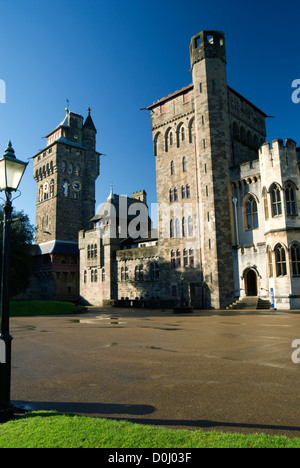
[251, 283]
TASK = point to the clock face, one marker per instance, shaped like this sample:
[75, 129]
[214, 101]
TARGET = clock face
[77, 186]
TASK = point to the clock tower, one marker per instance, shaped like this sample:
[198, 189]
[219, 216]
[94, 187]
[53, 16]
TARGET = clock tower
[65, 171]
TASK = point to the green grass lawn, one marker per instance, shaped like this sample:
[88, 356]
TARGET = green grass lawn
[56, 430]
[29, 308]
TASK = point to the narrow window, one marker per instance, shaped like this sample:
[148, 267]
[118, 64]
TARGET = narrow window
[188, 192]
[85, 277]
[178, 259]
[173, 261]
[185, 258]
[190, 226]
[184, 227]
[175, 194]
[103, 275]
[280, 261]
[182, 134]
[266, 205]
[276, 201]
[171, 228]
[295, 256]
[172, 166]
[183, 192]
[290, 200]
[177, 228]
[184, 164]
[251, 213]
[171, 139]
[171, 195]
[191, 257]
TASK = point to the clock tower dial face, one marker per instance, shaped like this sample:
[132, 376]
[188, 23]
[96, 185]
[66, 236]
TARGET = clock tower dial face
[77, 186]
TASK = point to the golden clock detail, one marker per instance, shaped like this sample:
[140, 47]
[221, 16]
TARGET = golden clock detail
[77, 186]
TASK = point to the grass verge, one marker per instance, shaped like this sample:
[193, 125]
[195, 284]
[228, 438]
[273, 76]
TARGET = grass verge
[56, 430]
[30, 308]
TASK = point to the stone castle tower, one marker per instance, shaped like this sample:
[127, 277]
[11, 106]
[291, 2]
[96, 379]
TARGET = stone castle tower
[65, 172]
[212, 141]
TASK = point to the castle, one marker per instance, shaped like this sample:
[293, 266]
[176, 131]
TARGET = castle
[228, 205]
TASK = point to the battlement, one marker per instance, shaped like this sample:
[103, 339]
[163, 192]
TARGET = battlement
[207, 44]
[278, 144]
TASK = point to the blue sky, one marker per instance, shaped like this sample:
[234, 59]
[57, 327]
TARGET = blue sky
[120, 56]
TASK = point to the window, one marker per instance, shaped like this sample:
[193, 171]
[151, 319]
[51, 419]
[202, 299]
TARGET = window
[92, 276]
[173, 262]
[175, 194]
[171, 228]
[126, 274]
[280, 259]
[178, 259]
[85, 277]
[183, 193]
[190, 226]
[89, 252]
[182, 134]
[95, 250]
[139, 273]
[52, 188]
[177, 228]
[184, 227]
[122, 274]
[251, 213]
[154, 271]
[172, 166]
[171, 195]
[171, 140]
[290, 199]
[270, 262]
[184, 165]
[191, 257]
[185, 258]
[103, 275]
[96, 276]
[188, 192]
[276, 201]
[295, 257]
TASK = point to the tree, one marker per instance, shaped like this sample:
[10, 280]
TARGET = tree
[21, 260]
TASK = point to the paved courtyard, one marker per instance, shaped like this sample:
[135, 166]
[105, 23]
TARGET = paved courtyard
[225, 371]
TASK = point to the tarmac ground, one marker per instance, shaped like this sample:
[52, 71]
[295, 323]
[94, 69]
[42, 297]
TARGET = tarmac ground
[231, 371]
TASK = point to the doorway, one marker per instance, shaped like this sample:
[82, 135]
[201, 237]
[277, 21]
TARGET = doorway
[251, 283]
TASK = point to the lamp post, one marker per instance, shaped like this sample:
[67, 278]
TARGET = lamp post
[11, 173]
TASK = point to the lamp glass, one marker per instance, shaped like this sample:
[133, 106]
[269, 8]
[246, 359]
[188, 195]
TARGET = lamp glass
[11, 172]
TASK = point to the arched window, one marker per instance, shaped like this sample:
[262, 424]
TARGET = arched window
[172, 167]
[89, 252]
[280, 259]
[171, 195]
[270, 261]
[175, 194]
[95, 250]
[103, 275]
[171, 140]
[177, 228]
[251, 213]
[276, 200]
[173, 261]
[184, 227]
[126, 274]
[77, 169]
[41, 193]
[295, 257]
[92, 276]
[96, 276]
[190, 226]
[171, 228]
[52, 188]
[184, 164]
[122, 274]
[290, 199]
[185, 258]
[182, 133]
[85, 276]
[188, 191]
[183, 193]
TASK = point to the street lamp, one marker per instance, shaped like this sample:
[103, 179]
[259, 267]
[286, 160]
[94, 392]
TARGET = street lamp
[11, 173]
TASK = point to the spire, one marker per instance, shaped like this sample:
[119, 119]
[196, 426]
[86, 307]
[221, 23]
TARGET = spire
[89, 122]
